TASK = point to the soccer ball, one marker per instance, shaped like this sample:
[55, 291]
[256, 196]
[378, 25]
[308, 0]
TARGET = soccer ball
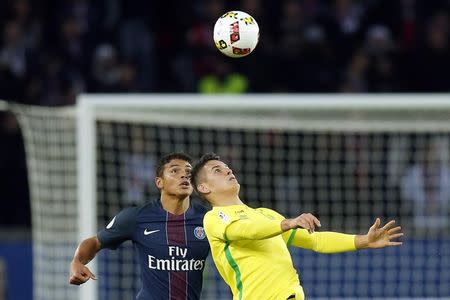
[236, 34]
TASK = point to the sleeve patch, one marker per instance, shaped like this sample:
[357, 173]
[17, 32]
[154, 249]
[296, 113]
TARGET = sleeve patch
[224, 217]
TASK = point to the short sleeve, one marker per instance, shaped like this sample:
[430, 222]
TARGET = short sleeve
[119, 229]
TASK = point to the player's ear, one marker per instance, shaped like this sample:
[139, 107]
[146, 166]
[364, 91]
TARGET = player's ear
[159, 182]
[203, 188]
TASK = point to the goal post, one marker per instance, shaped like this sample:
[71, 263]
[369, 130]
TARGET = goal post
[87, 178]
[346, 158]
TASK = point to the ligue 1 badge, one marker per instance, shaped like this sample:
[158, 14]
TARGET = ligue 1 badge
[224, 217]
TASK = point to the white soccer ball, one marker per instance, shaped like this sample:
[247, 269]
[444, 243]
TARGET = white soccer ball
[236, 34]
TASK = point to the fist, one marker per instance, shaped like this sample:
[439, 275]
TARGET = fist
[79, 273]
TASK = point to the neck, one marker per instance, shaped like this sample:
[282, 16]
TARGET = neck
[175, 205]
[225, 200]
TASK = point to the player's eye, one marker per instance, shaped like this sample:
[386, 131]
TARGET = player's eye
[173, 171]
[217, 170]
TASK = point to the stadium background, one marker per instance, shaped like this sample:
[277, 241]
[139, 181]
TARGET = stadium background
[52, 51]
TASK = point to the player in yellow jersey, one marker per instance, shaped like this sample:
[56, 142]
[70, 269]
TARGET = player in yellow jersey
[249, 246]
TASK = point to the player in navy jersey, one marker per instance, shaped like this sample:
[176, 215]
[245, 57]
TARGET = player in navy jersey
[167, 234]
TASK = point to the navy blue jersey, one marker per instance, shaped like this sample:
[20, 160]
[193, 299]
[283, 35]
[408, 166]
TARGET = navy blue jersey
[172, 249]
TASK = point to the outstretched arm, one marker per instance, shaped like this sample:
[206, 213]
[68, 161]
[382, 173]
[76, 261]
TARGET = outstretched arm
[85, 252]
[334, 242]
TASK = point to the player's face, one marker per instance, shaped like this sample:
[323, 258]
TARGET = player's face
[175, 180]
[219, 177]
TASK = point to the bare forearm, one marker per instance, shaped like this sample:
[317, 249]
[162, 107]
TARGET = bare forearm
[87, 250]
[361, 242]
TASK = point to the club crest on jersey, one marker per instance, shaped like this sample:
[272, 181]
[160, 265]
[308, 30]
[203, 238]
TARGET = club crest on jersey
[224, 217]
[199, 232]
[111, 223]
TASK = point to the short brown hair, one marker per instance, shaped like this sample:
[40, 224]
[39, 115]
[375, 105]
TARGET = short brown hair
[199, 166]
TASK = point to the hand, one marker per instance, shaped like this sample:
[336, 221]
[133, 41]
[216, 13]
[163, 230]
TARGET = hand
[380, 237]
[79, 273]
[307, 221]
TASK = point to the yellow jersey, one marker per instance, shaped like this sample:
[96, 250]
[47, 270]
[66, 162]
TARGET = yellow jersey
[250, 251]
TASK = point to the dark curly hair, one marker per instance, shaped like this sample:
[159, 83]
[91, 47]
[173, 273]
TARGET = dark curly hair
[167, 158]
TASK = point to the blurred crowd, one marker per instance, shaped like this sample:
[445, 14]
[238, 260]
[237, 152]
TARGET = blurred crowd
[52, 50]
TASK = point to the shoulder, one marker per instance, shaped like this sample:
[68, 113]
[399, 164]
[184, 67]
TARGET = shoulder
[125, 216]
[129, 211]
[217, 219]
[270, 213]
[223, 214]
[149, 209]
[214, 224]
[210, 216]
[133, 212]
[198, 207]
[151, 205]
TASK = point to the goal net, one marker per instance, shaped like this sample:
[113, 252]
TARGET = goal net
[346, 159]
[51, 154]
